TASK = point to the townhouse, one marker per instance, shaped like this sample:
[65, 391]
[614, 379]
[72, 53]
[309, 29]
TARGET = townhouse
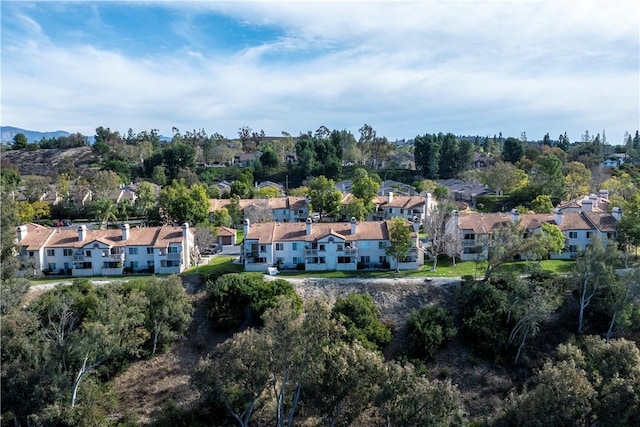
[325, 246]
[473, 229]
[283, 209]
[79, 251]
[407, 207]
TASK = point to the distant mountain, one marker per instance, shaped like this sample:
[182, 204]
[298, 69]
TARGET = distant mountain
[8, 132]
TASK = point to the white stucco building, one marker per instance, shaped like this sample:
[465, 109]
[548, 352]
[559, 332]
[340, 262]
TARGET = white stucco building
[324, 246]
[79, 251]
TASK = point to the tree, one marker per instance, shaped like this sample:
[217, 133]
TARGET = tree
[169, 310]
[576, 180]
[428, 330]
[203, 238]
[361, 319]
[104, 183]
[158, 175]
[221, 218]
[20, 141]
[324, 197]
[427, 155]
[504, 243]
[399, 239]
[269, 159]
[436, 229]
[181, 204]
[35, 187]
[546, 176]
[145, 199]
[512, 150]
[355, 209]
[626, 294]
[593, 272]
[542, 204]
[180, 156]
[629, 224]
[503, 177]
[408, 399]
[105, 211]
[365, 188]
[550, 239]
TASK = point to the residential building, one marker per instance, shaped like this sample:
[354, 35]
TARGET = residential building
[324, 246]
[80, 251]
[226, 235]
[283, 209]
[579, 227]
[407, 207]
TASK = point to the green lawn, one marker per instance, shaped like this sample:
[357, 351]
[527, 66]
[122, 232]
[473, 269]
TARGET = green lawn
[219, 264]
[444, 269]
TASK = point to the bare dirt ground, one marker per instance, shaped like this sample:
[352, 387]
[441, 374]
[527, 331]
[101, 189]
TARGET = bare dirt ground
[44, 162]
[148, 384]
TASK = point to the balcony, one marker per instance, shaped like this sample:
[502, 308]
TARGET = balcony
[351, 251]
[114, 257]
[310, 252]
[468, 243]
[171, 255]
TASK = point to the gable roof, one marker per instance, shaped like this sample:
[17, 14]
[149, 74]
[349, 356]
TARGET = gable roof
[270, 232]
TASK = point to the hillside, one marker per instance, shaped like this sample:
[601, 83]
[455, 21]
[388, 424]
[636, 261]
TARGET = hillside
[8, 132]
[45, 162]
[149, 384]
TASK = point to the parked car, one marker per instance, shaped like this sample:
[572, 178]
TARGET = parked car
[213, 249]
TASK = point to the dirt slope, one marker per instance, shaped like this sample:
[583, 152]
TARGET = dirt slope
[147, 385]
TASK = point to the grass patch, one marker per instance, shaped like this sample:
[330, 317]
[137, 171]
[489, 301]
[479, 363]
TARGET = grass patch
[219, 264]
[445, 268]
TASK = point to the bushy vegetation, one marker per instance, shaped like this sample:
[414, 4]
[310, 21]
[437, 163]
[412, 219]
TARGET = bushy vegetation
[241, 298]
[428, 330]
[361, 319]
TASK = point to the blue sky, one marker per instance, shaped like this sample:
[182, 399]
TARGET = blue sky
[405, 68]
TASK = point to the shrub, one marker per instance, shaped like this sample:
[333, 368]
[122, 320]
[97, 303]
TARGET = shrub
[361, 318]
[429, 329]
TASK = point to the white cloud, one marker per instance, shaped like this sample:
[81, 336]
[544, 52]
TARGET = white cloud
[405, 68]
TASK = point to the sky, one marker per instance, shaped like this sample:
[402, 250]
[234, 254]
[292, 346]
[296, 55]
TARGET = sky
[405, 68]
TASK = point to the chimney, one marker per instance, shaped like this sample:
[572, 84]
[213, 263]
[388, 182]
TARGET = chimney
[455, 222]
[126, 233]
[557, 216]
[354, 227]
[308, 230]
[416, 224]
[604, 195]
[82, 233]
[587, 205]
[246, 226]
[616, 213]
[515, 215]
[594, 200]
[21, 231]
[427, 204]
[186, 247]
[390, 197]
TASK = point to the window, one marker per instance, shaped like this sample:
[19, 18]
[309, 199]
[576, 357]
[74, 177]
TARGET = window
[469, 236]
[133, 264]
[170, 263]
[322, 260]
[589, 234]
[149, 251]
[382, 259]
[297, 260]
[344, 260]
[263, 248]
[573, 234]
[294, 246]
[322, 247]
[340, 247]
[51, 266]
[87, 253]
[382, 245]
[279, 260]
[401, 211]
[133, 251]
[390, 210]
[51, 252]
[31, 254]
[67, 252]
[67, 266]
[279, 246]
[149, 264]
[365, 259]
[173, 249]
